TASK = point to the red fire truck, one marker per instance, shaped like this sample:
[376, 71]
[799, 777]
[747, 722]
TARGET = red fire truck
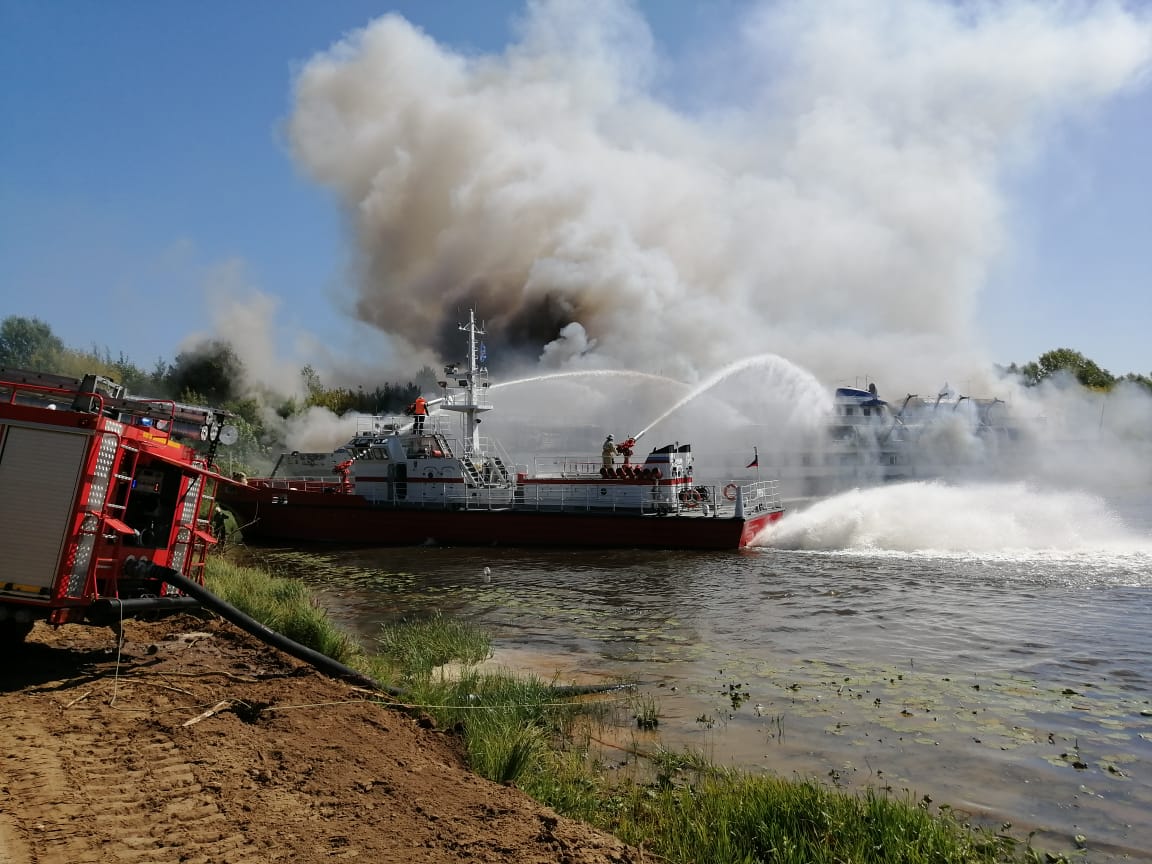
[101, 495]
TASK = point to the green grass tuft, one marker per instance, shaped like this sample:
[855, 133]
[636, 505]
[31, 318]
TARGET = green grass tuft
[419, 647]
[283, 605]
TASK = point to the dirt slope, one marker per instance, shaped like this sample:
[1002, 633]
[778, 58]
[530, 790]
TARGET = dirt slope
[97, 763]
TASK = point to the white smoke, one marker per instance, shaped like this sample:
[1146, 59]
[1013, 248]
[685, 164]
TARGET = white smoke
[245, 317]
[840, 207]
[823, 198]
[318, 430]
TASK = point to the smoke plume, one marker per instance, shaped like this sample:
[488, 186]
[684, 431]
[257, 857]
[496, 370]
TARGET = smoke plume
[837, 200]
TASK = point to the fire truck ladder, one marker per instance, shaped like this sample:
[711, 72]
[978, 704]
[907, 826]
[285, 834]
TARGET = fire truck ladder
[203, 530]
[108, 515]
[115, 508]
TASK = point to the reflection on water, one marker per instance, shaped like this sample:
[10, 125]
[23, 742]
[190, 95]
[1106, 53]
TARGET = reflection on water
[980, 680]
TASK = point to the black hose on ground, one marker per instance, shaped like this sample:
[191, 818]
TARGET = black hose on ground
[230, 613]
[107, 611]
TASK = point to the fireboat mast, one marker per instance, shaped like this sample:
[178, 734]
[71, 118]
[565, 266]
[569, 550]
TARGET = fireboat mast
[470, 396]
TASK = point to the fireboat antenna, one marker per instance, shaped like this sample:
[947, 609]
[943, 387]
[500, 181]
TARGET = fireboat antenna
[471, 393]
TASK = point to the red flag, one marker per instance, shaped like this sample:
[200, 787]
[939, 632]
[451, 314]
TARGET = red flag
[755, 463]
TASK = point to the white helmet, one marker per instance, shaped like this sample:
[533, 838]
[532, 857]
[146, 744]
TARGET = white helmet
[610, 437]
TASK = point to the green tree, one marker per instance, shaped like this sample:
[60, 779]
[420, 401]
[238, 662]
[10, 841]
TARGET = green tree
[1144, 381]
[1086, 371]
[29, 343]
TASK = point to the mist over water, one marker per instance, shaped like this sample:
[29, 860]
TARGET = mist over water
[1008, 520]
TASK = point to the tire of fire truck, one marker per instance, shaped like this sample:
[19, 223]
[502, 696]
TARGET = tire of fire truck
[14, 632]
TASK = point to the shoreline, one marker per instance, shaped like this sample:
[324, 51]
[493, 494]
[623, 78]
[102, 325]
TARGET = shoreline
[105, 760]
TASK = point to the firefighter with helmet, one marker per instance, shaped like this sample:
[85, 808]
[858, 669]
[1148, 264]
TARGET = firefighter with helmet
[608, 453]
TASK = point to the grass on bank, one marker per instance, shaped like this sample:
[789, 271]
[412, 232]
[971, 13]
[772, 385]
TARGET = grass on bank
[518, 730]
[417, 648]
[284, 605]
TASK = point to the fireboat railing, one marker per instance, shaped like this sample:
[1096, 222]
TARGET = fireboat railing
[379, 425]
[566, 466]
[456, 396]
[696, 500]
[760, 496]
[493, 448]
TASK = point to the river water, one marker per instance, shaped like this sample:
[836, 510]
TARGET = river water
[987, 646]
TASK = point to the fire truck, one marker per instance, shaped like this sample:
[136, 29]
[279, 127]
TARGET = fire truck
[101, 496]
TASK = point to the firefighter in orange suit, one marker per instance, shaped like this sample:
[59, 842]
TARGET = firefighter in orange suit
[418, 410]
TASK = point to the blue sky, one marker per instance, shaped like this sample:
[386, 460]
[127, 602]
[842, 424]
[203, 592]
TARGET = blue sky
[144, 145]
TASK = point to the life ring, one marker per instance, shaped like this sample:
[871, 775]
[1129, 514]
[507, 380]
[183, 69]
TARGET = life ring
[690, 498]
[730, 491]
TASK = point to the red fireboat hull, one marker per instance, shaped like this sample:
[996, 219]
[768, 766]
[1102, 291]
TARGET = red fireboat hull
[277, 515]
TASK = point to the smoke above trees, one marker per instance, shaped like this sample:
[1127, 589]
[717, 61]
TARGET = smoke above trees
[829, 188]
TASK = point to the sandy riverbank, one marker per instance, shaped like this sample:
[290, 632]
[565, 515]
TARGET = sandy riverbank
[98, 763]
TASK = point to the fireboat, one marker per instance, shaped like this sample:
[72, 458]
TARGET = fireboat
[413, 480]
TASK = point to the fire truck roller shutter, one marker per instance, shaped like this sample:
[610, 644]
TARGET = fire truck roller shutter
[40, 471]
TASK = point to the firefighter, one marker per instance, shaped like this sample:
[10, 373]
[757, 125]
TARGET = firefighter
[608, 453]
[418, 410]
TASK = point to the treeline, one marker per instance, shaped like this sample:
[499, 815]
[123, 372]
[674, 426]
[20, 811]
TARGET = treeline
[1065, 361]
[211, 375]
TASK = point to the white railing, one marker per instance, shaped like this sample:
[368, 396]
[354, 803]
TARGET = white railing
[566, 466]
[696, 500]
[761, 496]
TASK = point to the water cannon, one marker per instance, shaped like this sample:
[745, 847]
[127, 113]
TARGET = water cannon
[624, 448]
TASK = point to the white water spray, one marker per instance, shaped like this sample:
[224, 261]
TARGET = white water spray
[982, 519]
[593, 373]
[806, 397]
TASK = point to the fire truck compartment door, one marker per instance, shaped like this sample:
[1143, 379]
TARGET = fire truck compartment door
[40, 471]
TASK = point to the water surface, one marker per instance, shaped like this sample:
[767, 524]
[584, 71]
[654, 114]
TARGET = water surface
[989, 647]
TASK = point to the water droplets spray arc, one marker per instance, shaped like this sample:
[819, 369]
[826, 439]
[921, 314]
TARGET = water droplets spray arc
[810, 401]
[592, 373]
